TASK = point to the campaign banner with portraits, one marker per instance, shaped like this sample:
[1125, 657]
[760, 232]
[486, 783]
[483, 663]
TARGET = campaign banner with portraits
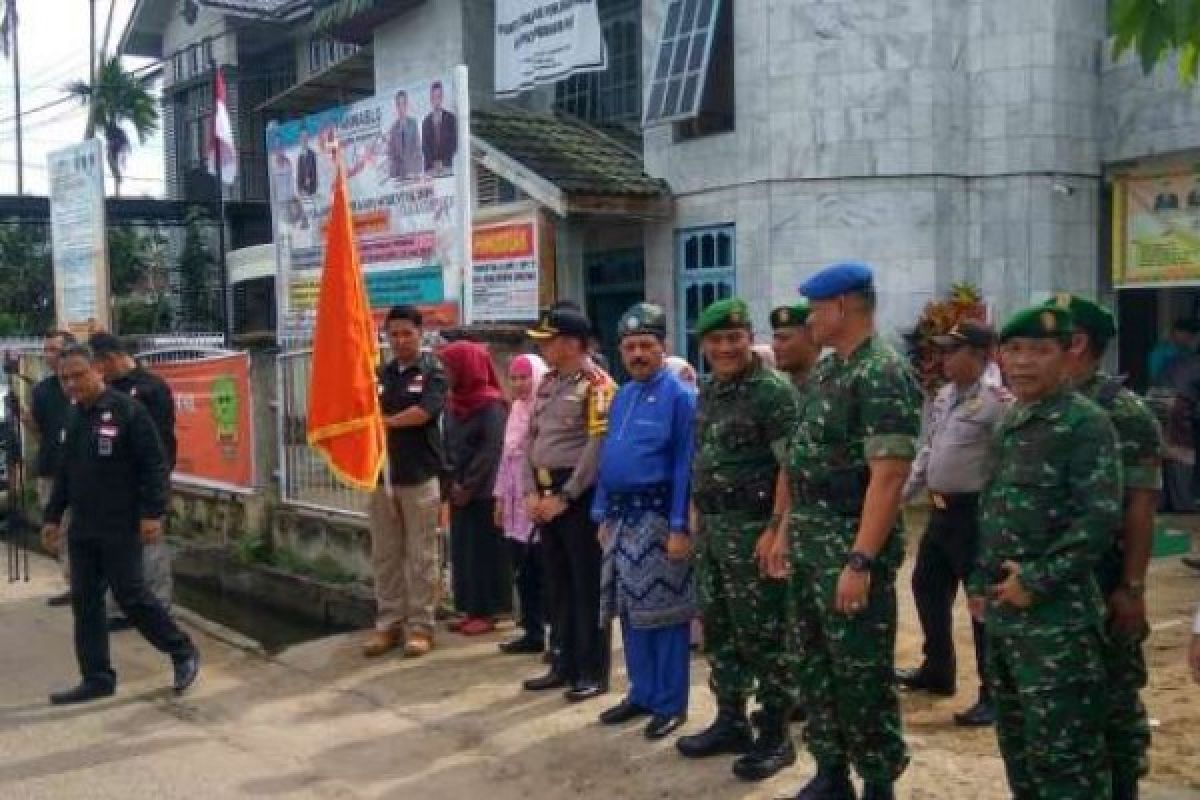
[406, 153]
[545, 41]
[1156, 228]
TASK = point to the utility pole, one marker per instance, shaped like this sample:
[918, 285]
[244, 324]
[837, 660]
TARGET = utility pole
[222, 263]
[10, 48]
[91, 67]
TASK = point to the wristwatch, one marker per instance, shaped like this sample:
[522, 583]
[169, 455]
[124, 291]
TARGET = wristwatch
[859, 561]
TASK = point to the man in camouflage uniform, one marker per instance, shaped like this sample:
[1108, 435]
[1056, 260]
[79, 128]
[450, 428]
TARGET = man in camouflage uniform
[746, 413]
[795, 351]
[1122, 570]
[848, 462]
[1047, 516]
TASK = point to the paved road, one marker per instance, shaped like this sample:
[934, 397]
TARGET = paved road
[319, 722]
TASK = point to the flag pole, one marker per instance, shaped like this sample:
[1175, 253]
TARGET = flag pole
[222, 264]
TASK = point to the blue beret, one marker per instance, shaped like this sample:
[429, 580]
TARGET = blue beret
[838, 279]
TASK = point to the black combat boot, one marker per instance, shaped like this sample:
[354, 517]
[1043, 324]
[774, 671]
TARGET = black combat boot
[773, 749]
[1124, 787]
[875, 790]
[832, 782]
[730, 732]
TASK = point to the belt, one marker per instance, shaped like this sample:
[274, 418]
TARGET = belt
[655, 497]
[744, 499]
[943, 501]
[551, 480]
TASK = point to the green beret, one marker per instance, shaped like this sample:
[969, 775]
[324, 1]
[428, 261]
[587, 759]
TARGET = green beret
[790, 316]
[643, 318]
[1093, 318]
[1038, 322]
[731, 312]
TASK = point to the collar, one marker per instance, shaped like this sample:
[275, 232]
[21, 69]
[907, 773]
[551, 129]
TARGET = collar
[1049, 408]
[751, 371]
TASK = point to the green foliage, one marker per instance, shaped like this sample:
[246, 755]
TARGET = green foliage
[1155, 29]
[119, 98]
[137, 274]
[252, 550]
[257, 550]
[26, 288]
[137, 316]
[198, 284]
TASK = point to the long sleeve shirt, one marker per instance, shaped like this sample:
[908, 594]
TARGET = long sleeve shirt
[155, 394]
[570, 418]
[473, 448]
[650, 442]
[113, 471]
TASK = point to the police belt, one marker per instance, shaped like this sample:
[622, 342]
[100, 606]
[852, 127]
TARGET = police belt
[550, 481]
[653, 497]
[751, 499]
[953, 501]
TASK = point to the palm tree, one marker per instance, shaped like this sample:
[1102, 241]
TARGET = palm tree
[119, 98]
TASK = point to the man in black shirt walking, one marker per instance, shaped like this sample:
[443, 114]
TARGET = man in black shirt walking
[49, 411]
[113, 477]
[123, 373]
[404, 513]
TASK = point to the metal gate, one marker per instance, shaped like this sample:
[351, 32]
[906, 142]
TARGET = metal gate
[305, 480]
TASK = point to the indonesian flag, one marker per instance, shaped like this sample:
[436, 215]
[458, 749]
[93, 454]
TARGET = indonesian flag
[220, 141]
[344, 421]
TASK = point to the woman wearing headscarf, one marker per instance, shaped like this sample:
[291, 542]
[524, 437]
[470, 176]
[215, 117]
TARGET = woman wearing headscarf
[524, 374]
[474, 443]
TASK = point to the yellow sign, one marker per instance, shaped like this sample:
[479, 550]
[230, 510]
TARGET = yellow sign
[1156, 230]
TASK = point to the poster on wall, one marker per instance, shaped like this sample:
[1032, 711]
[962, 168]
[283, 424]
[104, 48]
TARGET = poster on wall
[540, 42]
[80, 249]
[504, 272]
[213, 420]
[1157, 230]
[407, 157]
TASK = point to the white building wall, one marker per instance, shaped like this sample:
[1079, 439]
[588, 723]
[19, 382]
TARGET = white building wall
[924, 136]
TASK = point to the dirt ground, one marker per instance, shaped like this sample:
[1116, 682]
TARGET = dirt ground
[319, 721]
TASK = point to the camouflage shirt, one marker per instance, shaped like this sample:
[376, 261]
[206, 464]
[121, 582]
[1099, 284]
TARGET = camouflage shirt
[742, 429]
[858, 409]
[1052, 506]
[1141, 449]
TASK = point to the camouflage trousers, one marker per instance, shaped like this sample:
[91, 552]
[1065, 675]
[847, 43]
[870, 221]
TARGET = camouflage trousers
[746, 617]
[1126, 726]
[1049, 691]
[846, 668]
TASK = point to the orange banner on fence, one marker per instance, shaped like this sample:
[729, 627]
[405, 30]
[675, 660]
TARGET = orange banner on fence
[213, 419]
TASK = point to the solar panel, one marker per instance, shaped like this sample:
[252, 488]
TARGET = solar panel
[681, 65]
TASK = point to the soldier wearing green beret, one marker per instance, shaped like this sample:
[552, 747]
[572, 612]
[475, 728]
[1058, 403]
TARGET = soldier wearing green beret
[1122, 570]
[795, 351]
[847, 465]
[1047, 516]
[746, 414]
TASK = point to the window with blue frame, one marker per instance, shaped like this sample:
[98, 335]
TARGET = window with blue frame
[705, 267]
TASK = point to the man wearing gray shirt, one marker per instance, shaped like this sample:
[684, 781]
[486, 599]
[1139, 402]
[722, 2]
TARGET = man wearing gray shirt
[570, 419]
[953, 463]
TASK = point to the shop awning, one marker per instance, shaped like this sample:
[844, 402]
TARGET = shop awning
[345, 82]
[566, 165]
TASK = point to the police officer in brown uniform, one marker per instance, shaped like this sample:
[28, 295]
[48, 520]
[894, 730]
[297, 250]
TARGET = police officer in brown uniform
[570, 418]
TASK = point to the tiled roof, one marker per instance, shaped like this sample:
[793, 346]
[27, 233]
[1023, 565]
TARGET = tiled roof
[272, 8]
[570, 154]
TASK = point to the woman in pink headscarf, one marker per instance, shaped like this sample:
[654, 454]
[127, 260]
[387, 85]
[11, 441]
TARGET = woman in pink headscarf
[474, 444]
[524, 374]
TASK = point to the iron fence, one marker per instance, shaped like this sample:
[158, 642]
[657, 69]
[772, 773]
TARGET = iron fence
[305, 480]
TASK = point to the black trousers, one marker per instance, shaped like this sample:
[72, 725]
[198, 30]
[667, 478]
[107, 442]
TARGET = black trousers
[572, 559]
[115, 562]
[527, 566]
[479, 561]
[944, 559]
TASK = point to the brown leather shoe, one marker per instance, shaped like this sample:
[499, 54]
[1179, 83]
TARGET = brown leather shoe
[380, 642]
[418, 644]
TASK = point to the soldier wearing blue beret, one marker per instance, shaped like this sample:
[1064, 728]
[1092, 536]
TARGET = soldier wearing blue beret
[846, 466]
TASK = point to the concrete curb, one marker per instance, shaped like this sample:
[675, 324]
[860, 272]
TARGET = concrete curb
[219, 632]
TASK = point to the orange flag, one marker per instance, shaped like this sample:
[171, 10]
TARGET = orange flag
[344, 422]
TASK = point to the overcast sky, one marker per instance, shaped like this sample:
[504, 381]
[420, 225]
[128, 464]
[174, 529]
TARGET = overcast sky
[54, 52]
